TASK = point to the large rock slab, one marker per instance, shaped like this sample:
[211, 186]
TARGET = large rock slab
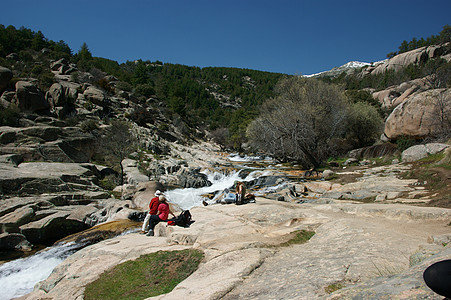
[416, 56]
[407, 285]
[52, 228]
[418, 152]
[419, 115]
[12, 179]
[353, 243]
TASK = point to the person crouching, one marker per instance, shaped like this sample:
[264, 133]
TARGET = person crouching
[153, 209]
[162, 214]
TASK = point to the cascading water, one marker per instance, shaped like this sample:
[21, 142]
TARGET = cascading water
[18, 277]
[188, 198]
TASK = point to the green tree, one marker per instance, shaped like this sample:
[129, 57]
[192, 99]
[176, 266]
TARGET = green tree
[363, 124]
[84, 58]
[39, 41]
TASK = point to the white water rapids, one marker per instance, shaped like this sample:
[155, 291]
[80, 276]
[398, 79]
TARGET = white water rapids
[18, 277]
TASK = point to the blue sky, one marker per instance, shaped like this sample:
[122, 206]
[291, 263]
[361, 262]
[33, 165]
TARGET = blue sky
[286, 36]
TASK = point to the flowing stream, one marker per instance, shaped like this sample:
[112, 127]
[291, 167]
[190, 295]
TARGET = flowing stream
[18, 277]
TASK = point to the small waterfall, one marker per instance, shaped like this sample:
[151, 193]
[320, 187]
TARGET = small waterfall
[188, 198]
[18, 277]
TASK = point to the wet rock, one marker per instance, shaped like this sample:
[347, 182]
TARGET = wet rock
[14, 241]
[51, 228]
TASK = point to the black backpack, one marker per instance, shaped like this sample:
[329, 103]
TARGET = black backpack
[183, 220]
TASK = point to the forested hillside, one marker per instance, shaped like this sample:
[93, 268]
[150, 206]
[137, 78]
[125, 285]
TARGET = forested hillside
[221, 103]
[205, 98]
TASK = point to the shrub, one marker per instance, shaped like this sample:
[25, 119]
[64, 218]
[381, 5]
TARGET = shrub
[145, 90]
[89, 125]
[405, 142]
[301, 123]
[9, 116]
[124, 86]
[363, 124]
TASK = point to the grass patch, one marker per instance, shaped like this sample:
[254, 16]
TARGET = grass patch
[434, 173]
[149, 275]
[333, 287]
[298, 237]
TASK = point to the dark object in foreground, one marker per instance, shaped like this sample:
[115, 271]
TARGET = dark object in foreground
[438, 277]
[182, 220]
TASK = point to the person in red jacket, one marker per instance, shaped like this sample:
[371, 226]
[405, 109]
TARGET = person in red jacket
[153, 209]
[162, 214]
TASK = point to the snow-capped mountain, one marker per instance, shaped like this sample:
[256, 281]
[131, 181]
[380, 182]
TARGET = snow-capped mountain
[348, 67]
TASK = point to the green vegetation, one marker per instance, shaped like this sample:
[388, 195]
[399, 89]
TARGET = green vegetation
[334, 287]
[228, 103]
[149, 275]
[300, 237]
[433, 172]
[9, 116]
[443, 37]
[14, 40]
[302, 123]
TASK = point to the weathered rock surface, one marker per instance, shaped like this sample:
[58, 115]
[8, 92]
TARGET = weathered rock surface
[47, 143]
[416, 56]
[418, 152]
[29, 97]
[419, 115]
[395, 95]
[62, 96]
[54, 200]
[350, 246]
[94, 95]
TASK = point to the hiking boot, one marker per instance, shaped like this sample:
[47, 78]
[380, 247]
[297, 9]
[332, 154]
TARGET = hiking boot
[142, 232]
[150, 233]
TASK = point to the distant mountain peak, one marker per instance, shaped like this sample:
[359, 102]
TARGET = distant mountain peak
[347, 67]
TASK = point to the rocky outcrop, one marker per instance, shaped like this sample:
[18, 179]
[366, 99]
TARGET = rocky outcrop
[62, 96]
[5, 77]
[29, 98]
[417, 56]
[243, 260]
[395, 95]
[421, 115]
[52, 201]
[418, 152]
[62, 67]
[94, 95]
[48, 143]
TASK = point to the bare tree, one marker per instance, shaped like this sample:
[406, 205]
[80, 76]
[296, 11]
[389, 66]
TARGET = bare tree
[438, 78]
[300, 123]
[440, 116]
[117, 144]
